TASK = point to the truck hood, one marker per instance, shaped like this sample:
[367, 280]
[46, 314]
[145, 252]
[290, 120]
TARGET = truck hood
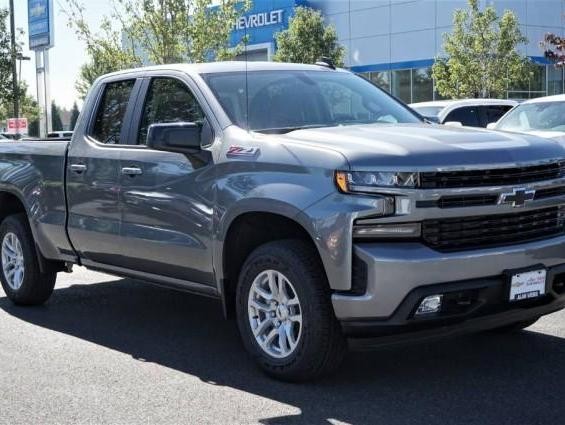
[423, 147]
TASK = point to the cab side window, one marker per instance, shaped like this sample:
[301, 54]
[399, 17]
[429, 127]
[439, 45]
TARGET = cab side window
[468, 116]
[168, 100]
[111, 111]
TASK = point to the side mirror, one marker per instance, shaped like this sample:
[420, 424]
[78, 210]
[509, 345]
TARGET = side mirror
[491, 126]
[453, 124]
[181, 137]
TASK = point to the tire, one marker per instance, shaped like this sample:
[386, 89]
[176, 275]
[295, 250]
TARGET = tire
[319, 345]
[516, 327]
[31, 287]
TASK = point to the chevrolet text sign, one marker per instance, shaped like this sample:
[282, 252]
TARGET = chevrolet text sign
[40, 22]
[258, 20]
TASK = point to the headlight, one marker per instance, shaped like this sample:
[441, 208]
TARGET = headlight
[371, 181]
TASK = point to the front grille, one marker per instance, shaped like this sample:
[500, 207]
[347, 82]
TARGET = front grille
[457, 234]
[496, 177]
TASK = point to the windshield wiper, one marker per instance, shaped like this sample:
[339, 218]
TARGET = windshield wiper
[285, 130]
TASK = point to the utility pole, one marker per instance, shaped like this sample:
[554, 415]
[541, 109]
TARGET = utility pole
[15, 87]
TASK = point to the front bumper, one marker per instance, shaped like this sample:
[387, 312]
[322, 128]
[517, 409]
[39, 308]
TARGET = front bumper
[399, 275]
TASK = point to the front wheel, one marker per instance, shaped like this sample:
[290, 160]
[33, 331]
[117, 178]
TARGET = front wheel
[284, 312]
[22, 280]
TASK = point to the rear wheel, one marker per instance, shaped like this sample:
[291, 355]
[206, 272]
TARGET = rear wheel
[21, 276]
[284, 312]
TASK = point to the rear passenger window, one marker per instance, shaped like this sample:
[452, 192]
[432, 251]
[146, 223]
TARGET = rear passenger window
[168, 100]
[468, 116]
[111, 112]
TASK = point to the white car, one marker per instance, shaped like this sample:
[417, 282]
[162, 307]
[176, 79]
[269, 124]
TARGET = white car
[544, 116]
[465, 112]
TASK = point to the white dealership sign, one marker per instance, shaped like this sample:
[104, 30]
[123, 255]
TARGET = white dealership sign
[262, 19]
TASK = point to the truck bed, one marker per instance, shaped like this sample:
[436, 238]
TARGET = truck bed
[34, 172]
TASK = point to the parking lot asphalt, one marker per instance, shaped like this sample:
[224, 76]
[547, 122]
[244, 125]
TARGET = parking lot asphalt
[106, 350]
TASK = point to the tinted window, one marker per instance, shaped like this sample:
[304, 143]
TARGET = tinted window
[168, 100]
[468, 116]
[111, 112]
[494, 112]
[285, 100]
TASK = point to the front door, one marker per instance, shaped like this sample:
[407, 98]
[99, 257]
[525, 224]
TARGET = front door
[167, 198]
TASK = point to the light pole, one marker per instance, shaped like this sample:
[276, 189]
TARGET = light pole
[15, 88]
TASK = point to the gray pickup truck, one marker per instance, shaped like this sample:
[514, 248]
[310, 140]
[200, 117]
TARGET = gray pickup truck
[319, 210]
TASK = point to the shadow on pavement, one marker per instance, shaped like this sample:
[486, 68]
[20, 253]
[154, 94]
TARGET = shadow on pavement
[484, 379]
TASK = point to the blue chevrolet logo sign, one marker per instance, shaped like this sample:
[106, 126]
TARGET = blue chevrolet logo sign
[517, 198]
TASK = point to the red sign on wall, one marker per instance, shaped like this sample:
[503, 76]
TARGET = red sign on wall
[17, 126]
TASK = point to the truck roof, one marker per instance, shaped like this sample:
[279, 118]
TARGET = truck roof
[229, 66]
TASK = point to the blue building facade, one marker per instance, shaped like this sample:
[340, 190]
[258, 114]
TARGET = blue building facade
[394, 42]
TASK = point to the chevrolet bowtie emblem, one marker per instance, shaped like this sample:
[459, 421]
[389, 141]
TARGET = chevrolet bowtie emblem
[517, 198]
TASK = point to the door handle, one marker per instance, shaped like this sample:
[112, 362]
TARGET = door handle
[131, 171]
[78, 168]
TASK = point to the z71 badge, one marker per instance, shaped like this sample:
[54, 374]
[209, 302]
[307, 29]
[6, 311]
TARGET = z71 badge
[242, 151]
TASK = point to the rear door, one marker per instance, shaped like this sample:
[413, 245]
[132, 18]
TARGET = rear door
[167, 198]
[93, 173]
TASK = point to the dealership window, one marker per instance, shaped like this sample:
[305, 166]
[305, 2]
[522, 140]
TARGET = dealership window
[381, 79]
[534, 87]
[401, 84]
[422, 85]
[554, 80]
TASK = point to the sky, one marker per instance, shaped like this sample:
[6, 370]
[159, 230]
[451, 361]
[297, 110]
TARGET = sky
[66, 56]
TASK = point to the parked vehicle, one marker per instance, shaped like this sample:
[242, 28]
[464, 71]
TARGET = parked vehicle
[61, 135]
[466, 112]
[316, 208]
[544, 117]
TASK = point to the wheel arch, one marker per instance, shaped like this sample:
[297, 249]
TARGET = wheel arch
[12, 203]
[244, 233]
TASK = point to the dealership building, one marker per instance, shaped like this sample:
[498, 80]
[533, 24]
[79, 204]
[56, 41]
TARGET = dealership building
[394, 42]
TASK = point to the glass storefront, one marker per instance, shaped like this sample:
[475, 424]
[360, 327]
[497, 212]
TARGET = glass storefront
[416, 85]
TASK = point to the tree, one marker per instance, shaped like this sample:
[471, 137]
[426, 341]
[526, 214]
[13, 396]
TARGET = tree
[56, 121]
[481, 55]
[74, 115]
[554, 49]
[308, 39]
[155, 31]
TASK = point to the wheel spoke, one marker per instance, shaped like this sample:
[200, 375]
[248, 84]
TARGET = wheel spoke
[273, 285]
[262, 327]
[257, 305]
[268, 341]
[263, 294]
[290, 335]
[283, 343]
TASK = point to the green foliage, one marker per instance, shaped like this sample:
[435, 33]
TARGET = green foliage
[74, 116]
[481, 57]
[155, 31]
[56, 121]
[307, 39]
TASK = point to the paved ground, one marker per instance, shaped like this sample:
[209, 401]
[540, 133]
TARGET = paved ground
[109, 350]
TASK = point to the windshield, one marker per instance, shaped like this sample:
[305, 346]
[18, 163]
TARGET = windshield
[281, 101]
[428, 111]
[542, 116]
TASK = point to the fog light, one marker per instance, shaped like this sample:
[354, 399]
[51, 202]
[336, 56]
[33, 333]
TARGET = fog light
[429, 305]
